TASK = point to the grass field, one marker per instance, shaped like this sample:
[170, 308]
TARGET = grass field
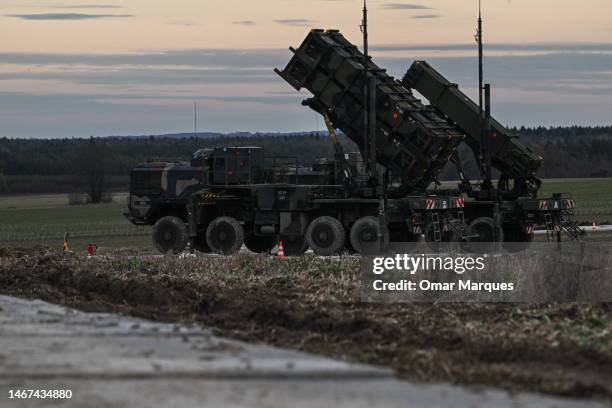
[31, 220]
[593, 197]
[44, 219]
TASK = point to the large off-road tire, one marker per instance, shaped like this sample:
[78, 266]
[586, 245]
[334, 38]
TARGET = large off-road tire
[326, 236]
[364, 236]
[260, 244]
[515, 239]
[170, 235]
[484, 235]
[294, 245]
[225, 236]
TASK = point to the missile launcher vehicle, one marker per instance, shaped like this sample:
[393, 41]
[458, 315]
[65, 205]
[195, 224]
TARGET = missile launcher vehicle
[415, 141]
[516, 193]
[226, 197]
[412, 143]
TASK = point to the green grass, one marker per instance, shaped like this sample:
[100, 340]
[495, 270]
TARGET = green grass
[44, 219]
[36, 201]
[593, 197]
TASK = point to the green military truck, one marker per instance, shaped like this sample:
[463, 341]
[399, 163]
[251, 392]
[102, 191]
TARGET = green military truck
[227, 197]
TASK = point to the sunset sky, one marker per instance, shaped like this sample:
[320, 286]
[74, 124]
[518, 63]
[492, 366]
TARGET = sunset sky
[74, 68]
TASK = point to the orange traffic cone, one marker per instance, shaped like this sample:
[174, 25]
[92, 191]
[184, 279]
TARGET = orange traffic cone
[281, 250]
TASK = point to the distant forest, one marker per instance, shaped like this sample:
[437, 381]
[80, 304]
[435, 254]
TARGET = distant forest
[70, 165]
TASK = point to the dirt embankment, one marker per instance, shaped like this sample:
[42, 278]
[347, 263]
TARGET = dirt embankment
[312, 305]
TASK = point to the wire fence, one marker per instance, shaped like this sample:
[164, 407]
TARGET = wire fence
[14, 234]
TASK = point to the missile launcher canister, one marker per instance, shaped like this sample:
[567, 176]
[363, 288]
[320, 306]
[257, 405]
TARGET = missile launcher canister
[413, 142]
[509, 155]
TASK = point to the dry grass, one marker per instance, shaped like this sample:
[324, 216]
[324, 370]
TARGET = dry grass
[313, 305]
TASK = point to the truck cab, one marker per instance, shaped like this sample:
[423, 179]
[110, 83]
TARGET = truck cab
[159, 189]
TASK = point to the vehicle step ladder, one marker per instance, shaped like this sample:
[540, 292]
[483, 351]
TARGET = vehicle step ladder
[550, 227]
[435, 220]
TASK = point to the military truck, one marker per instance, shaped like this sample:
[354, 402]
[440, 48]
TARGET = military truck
[160, 191]
[227, 197]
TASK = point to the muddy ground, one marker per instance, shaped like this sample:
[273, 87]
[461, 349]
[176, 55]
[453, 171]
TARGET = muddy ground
[313, 305]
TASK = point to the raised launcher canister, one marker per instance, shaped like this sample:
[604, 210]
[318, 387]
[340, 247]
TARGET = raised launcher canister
[413, 142]
[508, 155]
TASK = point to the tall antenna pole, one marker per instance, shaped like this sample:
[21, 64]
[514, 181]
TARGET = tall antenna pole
[195, 119]
[366, 131]
[365, 30]
[369, 127]
[484, 138]
[484, 99]
[480, 68]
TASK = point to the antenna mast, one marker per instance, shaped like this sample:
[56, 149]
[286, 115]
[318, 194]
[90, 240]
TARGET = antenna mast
[366, 57]
[195, 119]
[369, 127]
[480, 68]
[484, 104]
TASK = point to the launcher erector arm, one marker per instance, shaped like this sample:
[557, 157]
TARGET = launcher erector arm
[513, 159]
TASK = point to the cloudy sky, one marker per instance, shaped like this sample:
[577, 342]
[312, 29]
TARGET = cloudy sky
[72, 68]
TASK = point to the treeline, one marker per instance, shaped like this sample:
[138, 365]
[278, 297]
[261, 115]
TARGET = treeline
[562, 131]
[577, 153]
[59, 156]
[69, 165]
[78, 165]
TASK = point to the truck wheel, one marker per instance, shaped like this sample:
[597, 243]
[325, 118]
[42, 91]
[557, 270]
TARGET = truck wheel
[294, 245]
[364, 236]
[484, 236]
[225, 236]
[170, 235]
[326, 236]
[260, 244]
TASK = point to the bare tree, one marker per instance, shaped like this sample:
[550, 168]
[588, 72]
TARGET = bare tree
[94, 162]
